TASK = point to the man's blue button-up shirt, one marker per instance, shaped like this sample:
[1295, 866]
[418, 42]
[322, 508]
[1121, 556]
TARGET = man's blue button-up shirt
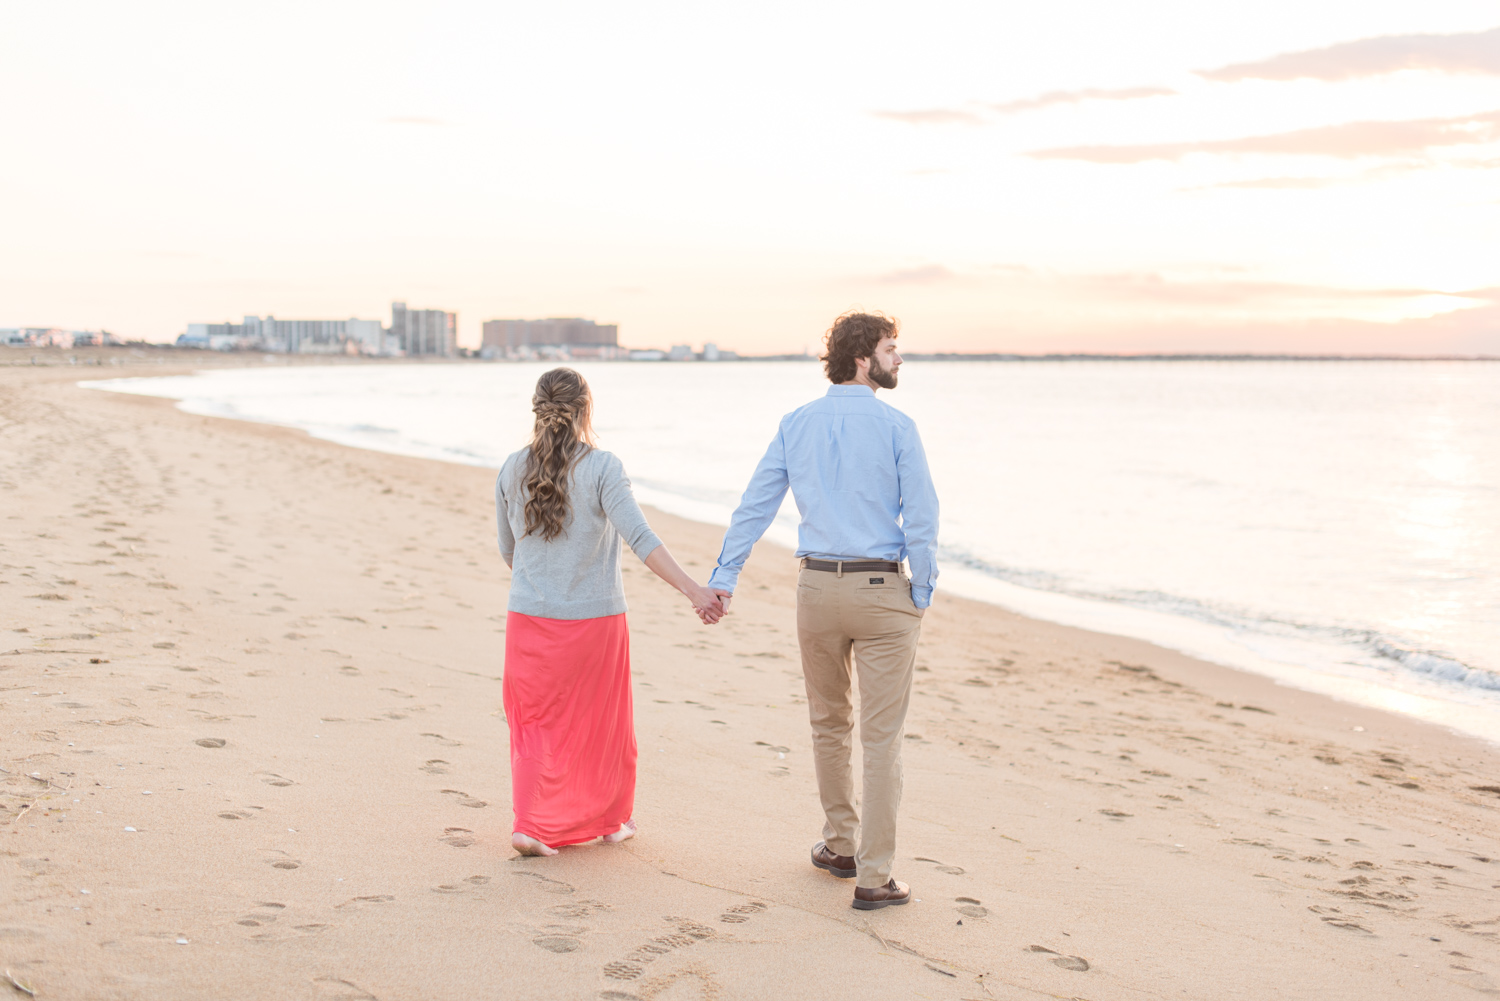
[859, 478]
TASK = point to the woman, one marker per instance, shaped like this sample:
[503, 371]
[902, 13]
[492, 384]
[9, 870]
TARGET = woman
[563, 507]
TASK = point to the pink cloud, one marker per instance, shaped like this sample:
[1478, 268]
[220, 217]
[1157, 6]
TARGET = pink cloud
[1348, 141]
[1055, 97]
[1467, 333]
[927, 274]
[1467, 52]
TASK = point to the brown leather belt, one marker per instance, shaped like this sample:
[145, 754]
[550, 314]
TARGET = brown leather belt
[852, 566]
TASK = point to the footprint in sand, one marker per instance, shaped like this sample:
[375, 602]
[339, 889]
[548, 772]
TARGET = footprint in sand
[688, 931]
[582, 909]
[559, 938]
[462, 887]
[1076, 963]
[622, 971]
[781, 751]
[236, 815]
[545, 883]
[952, 870]
[741, 913]
[1335, 918]
[210, 742]
[437, 766]
[458, 837]
[970, 908]
[366, 901]
[445, 741]
[464, 799]
[272, 779]
[337, 989]
[281, 860]
[707, 988]
[263, 914]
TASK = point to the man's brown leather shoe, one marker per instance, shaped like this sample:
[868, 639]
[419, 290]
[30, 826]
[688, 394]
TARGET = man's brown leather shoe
[869, 899]
[841, 866]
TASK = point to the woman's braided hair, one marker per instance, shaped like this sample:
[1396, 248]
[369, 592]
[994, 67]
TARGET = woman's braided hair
[563, 434]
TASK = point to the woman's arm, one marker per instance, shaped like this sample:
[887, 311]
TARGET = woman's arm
[506, 537]
[705, 601]
[620, 507]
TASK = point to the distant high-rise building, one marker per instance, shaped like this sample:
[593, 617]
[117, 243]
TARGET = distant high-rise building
[50, 337]
[424, 331]
[514, 337]
[289, 336]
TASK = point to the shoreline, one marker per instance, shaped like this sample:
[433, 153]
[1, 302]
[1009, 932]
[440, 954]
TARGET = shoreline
[294, 648]
[137, 350]
[1316, 666]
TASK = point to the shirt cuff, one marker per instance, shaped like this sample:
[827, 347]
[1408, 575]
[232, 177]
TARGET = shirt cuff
[724, 579]
[921, 596]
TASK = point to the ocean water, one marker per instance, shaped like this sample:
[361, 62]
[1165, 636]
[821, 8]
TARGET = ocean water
[1335, 525]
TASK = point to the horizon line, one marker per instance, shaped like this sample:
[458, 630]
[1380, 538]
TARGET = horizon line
[914, 356]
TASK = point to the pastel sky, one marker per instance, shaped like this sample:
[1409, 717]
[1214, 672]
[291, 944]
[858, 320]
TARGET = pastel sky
[1079, 175]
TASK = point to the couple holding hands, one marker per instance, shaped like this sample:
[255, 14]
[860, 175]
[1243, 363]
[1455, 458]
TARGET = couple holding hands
[859, 477]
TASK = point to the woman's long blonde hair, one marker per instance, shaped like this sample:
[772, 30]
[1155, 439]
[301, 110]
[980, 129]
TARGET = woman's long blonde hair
[562, 435]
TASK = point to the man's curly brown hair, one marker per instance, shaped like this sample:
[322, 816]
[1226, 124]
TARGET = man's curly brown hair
[854, 335]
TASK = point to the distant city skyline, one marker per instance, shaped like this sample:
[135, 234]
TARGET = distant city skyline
[515, 338]
[412, 333]
[1079, 176]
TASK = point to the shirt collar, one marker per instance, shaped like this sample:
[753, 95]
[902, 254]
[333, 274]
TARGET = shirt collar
[850, 390]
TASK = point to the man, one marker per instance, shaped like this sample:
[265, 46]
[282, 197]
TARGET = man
[859, 477]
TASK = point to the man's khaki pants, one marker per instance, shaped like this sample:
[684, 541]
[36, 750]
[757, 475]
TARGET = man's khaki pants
[870, 615]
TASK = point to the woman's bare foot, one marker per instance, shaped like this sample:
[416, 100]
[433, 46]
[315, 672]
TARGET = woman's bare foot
[529, 846]
[625, 833]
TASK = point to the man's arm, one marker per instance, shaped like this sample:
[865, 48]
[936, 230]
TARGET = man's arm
[757, 510]
[919, 516]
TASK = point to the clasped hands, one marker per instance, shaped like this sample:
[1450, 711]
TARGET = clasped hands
[711, 603]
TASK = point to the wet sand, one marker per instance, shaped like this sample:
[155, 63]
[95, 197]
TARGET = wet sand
[253, 747]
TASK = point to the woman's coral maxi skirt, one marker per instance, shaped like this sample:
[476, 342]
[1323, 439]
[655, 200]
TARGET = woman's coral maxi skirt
[572, 729]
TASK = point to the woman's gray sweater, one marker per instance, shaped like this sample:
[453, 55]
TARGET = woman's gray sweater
[577, 574]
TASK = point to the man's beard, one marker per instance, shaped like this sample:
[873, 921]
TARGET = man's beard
[884, 378]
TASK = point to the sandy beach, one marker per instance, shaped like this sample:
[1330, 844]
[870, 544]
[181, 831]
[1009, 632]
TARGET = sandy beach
[253, 747]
